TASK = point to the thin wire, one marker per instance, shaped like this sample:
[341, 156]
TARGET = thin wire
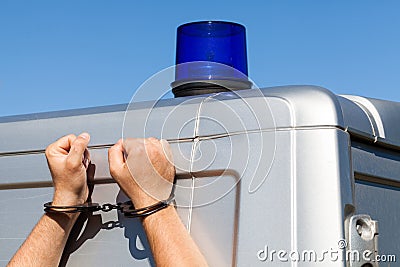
[192, 154]
[194, 146]
[189, 223]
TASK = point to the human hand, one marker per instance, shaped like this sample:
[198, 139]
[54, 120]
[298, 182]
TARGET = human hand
[68, 160]
[147, 174]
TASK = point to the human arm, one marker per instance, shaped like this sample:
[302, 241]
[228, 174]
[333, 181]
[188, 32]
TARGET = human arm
[68, 160]
[146, 176]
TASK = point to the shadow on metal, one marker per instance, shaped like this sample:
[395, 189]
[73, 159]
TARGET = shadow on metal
[133, 231]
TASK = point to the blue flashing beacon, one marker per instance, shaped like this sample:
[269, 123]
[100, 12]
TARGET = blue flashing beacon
[210, 52]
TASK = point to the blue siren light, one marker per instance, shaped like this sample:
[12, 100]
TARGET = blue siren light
[212, 46]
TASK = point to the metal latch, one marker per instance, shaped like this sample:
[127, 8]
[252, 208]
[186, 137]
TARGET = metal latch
[362, 248]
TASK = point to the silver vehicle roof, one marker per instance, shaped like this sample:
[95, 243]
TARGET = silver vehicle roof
[274, 108]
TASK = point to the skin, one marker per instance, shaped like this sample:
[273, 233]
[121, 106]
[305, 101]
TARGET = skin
[146, 176]
[68, 166]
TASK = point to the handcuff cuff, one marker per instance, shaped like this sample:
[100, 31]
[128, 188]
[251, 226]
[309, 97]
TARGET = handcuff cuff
[127, 208]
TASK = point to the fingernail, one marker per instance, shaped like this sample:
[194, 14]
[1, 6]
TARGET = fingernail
[84, 135]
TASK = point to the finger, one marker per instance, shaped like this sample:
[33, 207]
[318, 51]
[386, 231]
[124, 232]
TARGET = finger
[62, 145]
[153, 140]
[129, 144]
[78, 147]
[86, 158]
[116, 158]
[91, 170]
[167, 150]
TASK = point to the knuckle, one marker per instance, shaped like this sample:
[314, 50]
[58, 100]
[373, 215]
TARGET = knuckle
[153, 139]
[71, 136]
[80, 142]
[129, 141]
[155, 147]
[47, 152]
[127, 144]
[110, 151]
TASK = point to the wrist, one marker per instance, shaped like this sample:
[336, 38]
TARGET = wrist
[142, 199]
[143, 202]
[65, 220]
[67, 199]
[159, 215]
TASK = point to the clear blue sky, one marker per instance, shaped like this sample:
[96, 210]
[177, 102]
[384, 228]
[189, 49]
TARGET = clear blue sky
[69, 54]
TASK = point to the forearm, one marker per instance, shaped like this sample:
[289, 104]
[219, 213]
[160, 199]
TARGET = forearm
[45, 244]
[169, 240]
[146, 175]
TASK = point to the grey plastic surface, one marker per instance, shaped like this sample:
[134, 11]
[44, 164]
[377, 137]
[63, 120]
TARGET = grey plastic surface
[270, 168]
[382, 202]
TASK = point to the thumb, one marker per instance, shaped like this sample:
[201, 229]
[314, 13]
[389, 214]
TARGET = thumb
[78, 147]
[116, 159]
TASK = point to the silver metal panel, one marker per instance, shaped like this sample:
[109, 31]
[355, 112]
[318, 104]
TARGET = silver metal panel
[160, 119]
[21, 171]
[219, 114]
[168, 121]
[310, 105]
[275, 107]
[105, 128]
[294, 186]
[287, 210]
[214, 226]
[19, 212]
[323, 189]
[14, 169]
[257, 213]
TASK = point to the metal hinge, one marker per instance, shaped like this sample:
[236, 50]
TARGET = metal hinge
[362, 247]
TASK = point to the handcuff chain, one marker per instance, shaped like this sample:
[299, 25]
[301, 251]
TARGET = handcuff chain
[109, 207]
[127, 208]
